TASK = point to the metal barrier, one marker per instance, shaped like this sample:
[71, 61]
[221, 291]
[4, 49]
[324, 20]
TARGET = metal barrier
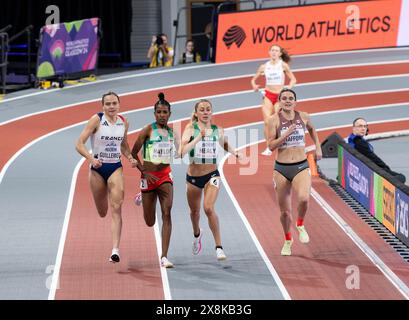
[4, 39]
[6, 28]
[5, 64]
[218, 11]
[215, 11]
[26, 31]
[226, 3]
[299, 3]
[176, 24]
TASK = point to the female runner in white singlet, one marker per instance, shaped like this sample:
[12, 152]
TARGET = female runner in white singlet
[108, 131]
[274, 71]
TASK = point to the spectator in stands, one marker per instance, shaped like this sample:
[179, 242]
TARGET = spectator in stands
[160, 54]
[356, 139]
[190, 55]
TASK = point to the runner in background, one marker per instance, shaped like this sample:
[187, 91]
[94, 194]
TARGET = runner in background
[274, 71]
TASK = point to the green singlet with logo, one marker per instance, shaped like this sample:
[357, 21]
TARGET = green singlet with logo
[205, 151]
[158, 149]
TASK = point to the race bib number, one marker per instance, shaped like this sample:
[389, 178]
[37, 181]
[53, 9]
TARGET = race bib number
[162, 152]
[144, 184]
[206, 149]
[215, 182]
[296, 139]
[273, 78]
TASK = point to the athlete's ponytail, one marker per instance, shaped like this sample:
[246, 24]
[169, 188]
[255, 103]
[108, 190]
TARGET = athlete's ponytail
[161, 101]
[193, 118]
[285, 56]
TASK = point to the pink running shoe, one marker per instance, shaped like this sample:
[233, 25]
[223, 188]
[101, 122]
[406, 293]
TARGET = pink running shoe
[138, 198]
[197, 243]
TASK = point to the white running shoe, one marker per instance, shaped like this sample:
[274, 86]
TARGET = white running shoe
[115, 257]
[267, 152]
[138, 199]
[164, 262]
[286, 250]
[304, 237]
[197, 243]
[220, 254]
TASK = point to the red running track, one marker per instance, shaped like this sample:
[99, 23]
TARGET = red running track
[86, 275]
[317, 270]
[28, 129]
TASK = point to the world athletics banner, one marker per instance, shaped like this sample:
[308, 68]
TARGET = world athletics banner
[312, 28]
[68, 48]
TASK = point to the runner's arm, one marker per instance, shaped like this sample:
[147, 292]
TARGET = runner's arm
[89, 129]
[186, 145]
[145, 133]
[125, 150]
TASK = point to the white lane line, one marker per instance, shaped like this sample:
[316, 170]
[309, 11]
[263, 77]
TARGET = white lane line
[2, 173]
[185, 84]
[342, 66]
[251, 124]
[121, 95]
[57, 267]
[247, 224]
[373, 257]
[325, 54]
[391, 134]
[55, 278]
[20, 151]
[163, 271]
[63, 236]
[33, 142]
[165, 281]
[354, 51]
[357, 79]
[218, 95]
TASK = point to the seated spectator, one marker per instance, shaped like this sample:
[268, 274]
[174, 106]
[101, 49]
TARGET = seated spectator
[356, 139]
[190, 55]
[159, 53]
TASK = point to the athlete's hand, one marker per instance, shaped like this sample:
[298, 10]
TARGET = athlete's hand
[318, 153]
[256, 87]
[238, 155]
[133, 162]
[290, 130]
[150, 177]
[95, 163]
